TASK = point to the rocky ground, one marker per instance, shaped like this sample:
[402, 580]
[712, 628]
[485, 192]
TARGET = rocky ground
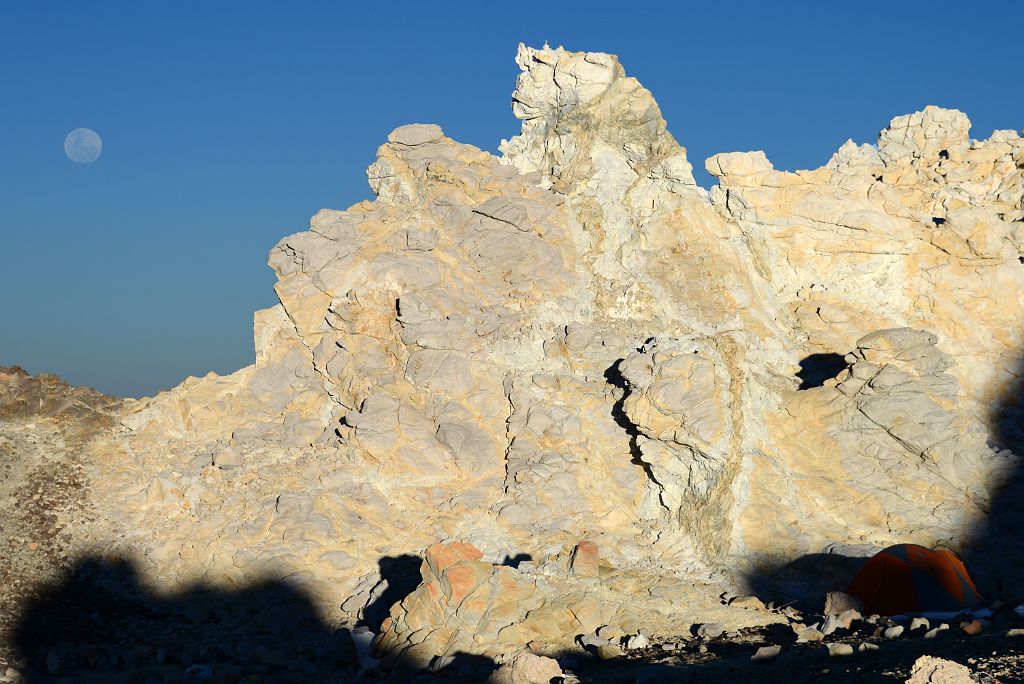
[45, 426]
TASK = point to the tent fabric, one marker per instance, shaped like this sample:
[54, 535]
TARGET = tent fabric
[908, 578]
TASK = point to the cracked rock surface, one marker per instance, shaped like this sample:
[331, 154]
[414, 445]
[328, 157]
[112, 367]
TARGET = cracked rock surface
[501, 357]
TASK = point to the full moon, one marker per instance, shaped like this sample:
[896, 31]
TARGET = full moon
[83, 146]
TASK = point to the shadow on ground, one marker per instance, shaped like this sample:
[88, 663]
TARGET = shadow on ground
[100, 620]
[101, 625]
[803, 582]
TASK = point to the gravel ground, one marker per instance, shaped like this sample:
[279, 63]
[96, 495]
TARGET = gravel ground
[990, 655]
[41, 492]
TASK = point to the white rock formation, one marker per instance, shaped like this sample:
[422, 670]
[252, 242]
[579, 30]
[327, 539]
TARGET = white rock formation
[574, 341]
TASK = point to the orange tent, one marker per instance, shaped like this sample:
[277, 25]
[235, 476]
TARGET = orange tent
[908, 578]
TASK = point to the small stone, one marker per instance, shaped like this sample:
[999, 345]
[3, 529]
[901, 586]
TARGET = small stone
[766, 653]
[591, 641]
[848, 617]
[362, 639]
[751, 602]
[1019, 610]
[839, 650]
[637, 641]
[608, 651]
[1015, 633]
[930, 670]
[585, 560]
[610, 632]
[809, 634]
[198, 673]
[932, 633]
[830, 625]
[12, 675]
[919, 622]
[227, 458]
[867, 646]
[710, 630]
[837, 602]
[893, 632]
[702, 649]
[972, 627]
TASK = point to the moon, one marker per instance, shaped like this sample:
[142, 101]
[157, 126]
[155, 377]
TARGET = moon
[83, 146]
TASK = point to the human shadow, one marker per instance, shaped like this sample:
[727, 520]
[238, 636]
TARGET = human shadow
[101, 624]
[100, 620]
[802, 582]
[399, 575]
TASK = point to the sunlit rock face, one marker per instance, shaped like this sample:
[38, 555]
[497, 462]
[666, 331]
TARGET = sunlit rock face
[575, 341]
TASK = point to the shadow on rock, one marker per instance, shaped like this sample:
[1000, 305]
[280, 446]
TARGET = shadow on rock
[817, 368]
[399, 576]
[803, 582]
[994, 553]
[991, 549]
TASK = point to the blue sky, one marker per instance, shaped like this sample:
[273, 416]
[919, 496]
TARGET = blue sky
[227, 125]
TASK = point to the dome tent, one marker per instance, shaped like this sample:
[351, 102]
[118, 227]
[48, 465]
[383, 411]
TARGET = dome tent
[908, 578]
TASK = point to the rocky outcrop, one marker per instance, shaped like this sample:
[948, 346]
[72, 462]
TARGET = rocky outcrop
[45, 396]
[922, 229]
[932, 670]
[573, 341]
[467, 605]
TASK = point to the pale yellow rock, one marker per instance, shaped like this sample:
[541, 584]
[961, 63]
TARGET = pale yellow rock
[573, 341]
[932, 670]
